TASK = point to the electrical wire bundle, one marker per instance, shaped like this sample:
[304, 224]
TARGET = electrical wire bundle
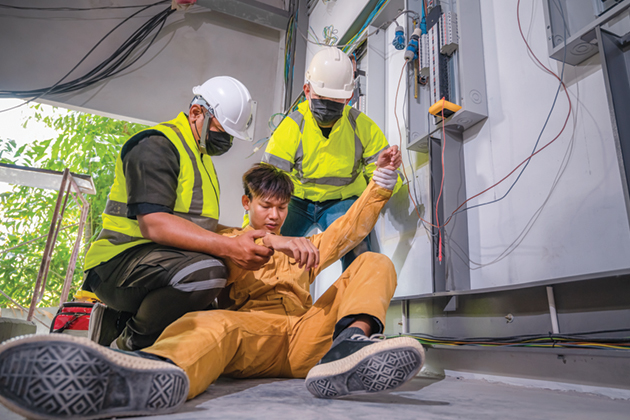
[377, 9]
[288, 45]
[579, 340]
[117, 62]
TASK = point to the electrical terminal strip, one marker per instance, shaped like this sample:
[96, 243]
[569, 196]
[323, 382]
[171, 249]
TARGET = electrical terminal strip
[449, 37]
[424, 55]
[434, 63]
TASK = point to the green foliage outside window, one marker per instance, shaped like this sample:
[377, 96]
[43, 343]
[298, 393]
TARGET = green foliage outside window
[86, 144]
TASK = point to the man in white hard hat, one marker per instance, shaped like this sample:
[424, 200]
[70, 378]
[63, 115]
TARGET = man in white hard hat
[158, 255]
[328, 148]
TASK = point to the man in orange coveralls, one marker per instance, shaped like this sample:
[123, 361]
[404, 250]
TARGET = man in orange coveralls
[271, 330]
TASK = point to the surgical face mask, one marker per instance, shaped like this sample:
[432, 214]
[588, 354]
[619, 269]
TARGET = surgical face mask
[218, 143]
[326, 111]
[214, 143]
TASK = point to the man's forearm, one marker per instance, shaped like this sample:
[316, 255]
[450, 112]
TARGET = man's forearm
[347, 231]
[171, 230]
[168, 229]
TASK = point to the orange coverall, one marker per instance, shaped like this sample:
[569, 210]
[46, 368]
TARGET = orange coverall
[272, 329]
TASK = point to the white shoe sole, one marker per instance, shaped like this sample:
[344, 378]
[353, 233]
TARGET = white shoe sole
[57, 376]
[378, 367]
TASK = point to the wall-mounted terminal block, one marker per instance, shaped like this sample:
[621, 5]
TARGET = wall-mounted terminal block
[424, 55]
[449, 37]
[434, 63]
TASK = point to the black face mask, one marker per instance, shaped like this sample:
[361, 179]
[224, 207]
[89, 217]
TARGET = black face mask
[325, 111]
[215, 143]
[218, 143]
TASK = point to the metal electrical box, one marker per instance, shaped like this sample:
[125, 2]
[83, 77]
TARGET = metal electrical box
[467, 79]
[581, 18]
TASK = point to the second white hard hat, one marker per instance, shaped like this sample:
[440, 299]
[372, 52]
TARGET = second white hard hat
[231, 104]
[330, 74]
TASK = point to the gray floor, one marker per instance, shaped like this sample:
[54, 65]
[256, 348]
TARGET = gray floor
[450, 398]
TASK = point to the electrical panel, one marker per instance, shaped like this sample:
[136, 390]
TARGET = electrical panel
[450, 66]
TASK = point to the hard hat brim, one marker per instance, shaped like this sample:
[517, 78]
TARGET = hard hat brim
[331, 93]
[242, 135]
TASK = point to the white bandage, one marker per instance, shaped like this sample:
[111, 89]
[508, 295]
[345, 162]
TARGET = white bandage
[385, 178]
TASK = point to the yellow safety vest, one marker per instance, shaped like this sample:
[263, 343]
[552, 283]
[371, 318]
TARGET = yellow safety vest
[330, 168]
[197, 196]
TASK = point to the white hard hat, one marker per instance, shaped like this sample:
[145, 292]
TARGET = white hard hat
[230, 103]
[331, 74]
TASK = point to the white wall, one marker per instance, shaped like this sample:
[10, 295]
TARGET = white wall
[583, 227]
[38, 48]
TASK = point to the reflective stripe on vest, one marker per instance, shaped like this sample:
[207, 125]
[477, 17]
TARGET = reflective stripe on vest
[331, 180]
[116, 208]
[196, 204]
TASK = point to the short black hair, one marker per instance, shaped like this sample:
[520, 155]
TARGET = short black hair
[266, 181]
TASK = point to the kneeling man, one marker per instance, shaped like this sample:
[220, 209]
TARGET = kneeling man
[272, 328]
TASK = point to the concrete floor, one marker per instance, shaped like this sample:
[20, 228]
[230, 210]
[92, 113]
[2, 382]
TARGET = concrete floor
[449, 398]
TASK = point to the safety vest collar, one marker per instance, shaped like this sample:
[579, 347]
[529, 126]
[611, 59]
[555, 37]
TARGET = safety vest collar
[181, 126]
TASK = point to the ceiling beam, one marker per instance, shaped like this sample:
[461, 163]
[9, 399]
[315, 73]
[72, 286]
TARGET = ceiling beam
[250, 10]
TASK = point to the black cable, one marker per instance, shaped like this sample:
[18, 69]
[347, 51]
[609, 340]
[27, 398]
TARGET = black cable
[520, 338]
[140, 34]
[109, 67]
[78, 9]
[564, 59]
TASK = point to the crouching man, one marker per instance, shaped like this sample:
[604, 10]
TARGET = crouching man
[272, 328]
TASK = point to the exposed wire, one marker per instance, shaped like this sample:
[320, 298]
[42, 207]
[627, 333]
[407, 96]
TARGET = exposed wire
[528, 226]
[415, 192]
[535, 152]
[330, 35]
[357, 40]
[108, 68]
[288, 45]
[538, 340]
[462, 254]
[79, 9]
[364, 29]
[404, 171]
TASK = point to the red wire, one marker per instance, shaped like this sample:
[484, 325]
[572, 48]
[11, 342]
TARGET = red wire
[437, 202]
[415, 206]
[566, 121]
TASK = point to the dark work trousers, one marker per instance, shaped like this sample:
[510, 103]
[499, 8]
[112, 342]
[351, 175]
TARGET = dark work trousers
[157, 285]
[303, 214]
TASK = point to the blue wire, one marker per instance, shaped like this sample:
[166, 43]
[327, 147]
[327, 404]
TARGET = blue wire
[367, 23]
[564, 59]
[423, 21]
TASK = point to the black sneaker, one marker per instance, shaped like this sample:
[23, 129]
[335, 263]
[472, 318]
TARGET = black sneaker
[58, 376]
[359, 364]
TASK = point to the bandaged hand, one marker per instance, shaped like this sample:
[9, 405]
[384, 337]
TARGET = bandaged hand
[385, 178]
